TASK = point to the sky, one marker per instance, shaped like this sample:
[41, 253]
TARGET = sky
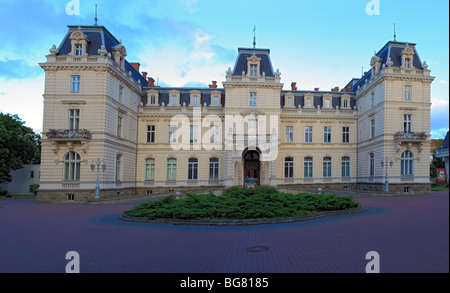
[318, 44]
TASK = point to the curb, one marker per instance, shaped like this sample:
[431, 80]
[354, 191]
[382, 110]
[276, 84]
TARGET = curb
[320, 215]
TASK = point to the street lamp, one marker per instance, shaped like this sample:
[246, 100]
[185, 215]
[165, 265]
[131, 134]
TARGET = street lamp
[383, 163]
[97, 185]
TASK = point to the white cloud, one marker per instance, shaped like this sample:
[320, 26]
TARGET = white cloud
[24, 98]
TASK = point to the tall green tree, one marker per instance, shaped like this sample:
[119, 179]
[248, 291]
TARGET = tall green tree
[18, 145]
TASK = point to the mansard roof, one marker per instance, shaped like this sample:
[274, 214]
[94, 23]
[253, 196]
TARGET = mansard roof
[445, 144]
[97, 36]
[241, 61]
[392, 50]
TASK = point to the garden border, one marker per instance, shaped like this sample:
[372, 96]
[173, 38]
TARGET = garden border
[124, 217]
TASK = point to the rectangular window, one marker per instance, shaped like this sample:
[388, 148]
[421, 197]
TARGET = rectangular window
[345, 134]
[308, 168]
[253, 98]
[214, 169]
[193, 134]
[253, 70]
[172, 169]
[327, 134]
[120, 93]
[174, 100]
[308, 134]
[327, 167]
[308, 103]
[78, 50]
[289, 134]
[252, 129]
[289, 168]
[216, 101]
[118, 167]
[172, 134]
[408, 92]
[214, 138]
[407, 123]
[327, 103]
[152, 100]
[74, 119]
[150, 133]
[372, 165]
[119, 126]
[345, 167]
[372, 99]
[31, 174]
[76, 81]
[408, 63]
[372, 128]
[289, 102]
[149, 169]
[193, 169]
[195, 100]
[345, 103]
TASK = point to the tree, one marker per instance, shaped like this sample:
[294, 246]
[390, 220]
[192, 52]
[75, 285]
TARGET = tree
[18, 145]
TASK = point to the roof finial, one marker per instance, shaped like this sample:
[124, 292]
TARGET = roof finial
[254, 37]
[95, 15]
[395, 36]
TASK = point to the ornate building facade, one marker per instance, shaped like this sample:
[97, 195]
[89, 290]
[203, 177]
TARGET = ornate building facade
[152, 140]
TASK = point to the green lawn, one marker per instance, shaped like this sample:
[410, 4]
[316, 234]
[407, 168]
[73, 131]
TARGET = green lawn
[435, 187]
[17, 196]
[242, 203]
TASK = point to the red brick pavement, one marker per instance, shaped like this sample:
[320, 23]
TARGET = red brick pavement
[410, 233]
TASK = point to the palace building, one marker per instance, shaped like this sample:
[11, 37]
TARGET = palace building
[105, 119]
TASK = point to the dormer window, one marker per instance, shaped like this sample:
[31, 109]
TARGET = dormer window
[253, 70]
[216, 99]
[407, 56]
[289, 100]
[174, 98]
[345, 101]
[408, 63]
[326, 101]
[196, 98]
[78, 50]
[152, 97]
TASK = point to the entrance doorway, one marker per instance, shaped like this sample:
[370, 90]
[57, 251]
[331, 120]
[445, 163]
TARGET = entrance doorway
[252, 164]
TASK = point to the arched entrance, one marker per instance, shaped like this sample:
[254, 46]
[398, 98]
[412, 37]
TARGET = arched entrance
[252, 166]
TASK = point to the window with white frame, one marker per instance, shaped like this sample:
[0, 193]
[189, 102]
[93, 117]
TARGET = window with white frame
[149, 169]
[327, 134]
[195, 101]
[72, 162]
[172, 134]
[213, 169]
[407, 163]
[252, 128]
[193, 134]
[408, 92]
[253, 70]
[327, 167]
[289, 168]
[76, 84]
[193, 169]
[78, 50]
[371, 165]
[119, 126]
[253, 99]
[216, 101]
[308, 168]
[345, 167]
[407, 123]
[214, 138]
[171, 169]
[308, 133]
[289, 134]
[150, 133]
[345, 134]
[74, 119]
[118, 167]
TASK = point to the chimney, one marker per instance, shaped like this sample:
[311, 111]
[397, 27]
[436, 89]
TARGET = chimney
[294, 86]
[316, 89]
[151, 82]
[213, 85]
[336, 89]
[136, 66]
[144, 74]
[349, 88]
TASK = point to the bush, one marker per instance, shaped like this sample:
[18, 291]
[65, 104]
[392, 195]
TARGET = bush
[33, 188]
[242, 203]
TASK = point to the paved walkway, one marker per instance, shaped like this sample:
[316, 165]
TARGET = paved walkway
[410, 234]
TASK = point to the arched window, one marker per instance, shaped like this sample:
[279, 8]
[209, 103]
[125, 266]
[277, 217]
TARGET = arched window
[193, 169]
[289, 167]
[308, 167]
[407, 163]
[172, 169]
[149, 169]
[72, 166]
[214, 168]
[327, 167]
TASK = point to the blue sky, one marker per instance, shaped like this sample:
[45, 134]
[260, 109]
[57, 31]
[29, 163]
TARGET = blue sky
[322, 43]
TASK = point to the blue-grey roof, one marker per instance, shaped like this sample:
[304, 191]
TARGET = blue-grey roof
[393, 50]
[241, 61]
[445, 143]
[299, 98]
[185, 95]
[97, 36]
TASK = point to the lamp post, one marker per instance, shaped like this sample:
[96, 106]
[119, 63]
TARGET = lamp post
[386, 162]
[97, 185]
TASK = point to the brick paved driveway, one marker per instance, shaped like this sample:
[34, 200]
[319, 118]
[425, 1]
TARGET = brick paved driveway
[410, 233]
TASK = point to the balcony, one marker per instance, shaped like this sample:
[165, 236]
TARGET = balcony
[410, 139]
[66, 134]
